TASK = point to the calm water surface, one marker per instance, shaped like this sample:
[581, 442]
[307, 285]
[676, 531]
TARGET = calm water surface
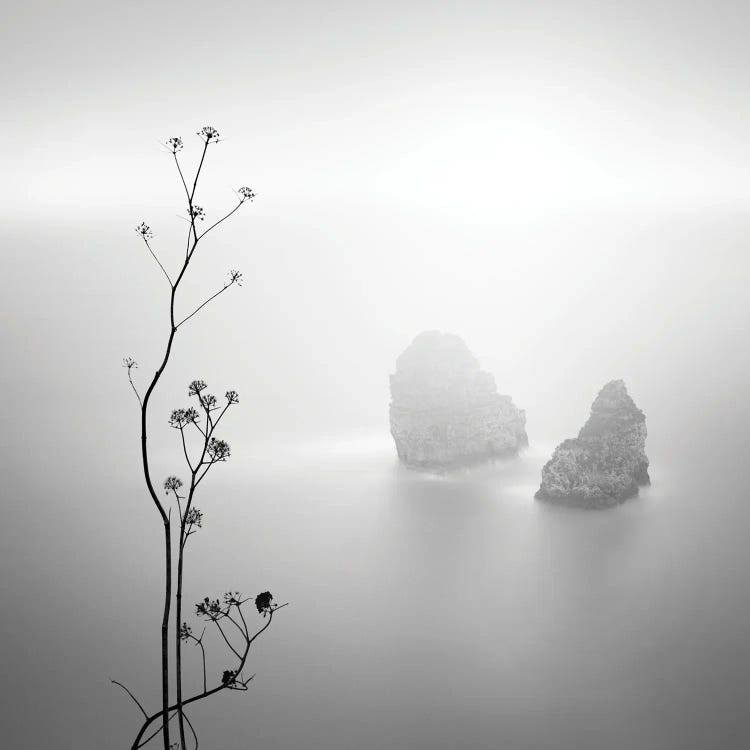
[426, 612]
[456, 612]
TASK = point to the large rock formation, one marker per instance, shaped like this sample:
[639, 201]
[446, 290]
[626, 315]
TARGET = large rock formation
[607, 462]
[445, 411]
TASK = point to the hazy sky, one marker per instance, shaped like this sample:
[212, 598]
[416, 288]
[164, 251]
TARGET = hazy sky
[478, 109]
[466, 166]
[563, 184]
[540, 178]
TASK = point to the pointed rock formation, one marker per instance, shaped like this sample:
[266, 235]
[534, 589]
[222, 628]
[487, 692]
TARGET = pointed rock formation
[607, 462]
[445, 411]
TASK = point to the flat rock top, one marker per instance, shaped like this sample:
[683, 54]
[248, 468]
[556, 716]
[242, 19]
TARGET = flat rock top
[437, 371]
[434, 355]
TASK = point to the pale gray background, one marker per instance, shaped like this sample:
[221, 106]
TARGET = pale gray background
[565, 185]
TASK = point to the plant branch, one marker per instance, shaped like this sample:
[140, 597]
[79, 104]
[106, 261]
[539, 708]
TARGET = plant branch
[206, 693]
[200, 429]
[236, 625]
[153, 734]
[136, 701]
[200, 307]
[224, 218]
[198, 172]
[230, 679]
[242, 617]
[226, 640]
[132, 385]
[184, 448]
[192, 729]
[182, 177]
[199, 641]
[153, 254]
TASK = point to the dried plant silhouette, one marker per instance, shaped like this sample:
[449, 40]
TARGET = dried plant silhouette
[202, 450]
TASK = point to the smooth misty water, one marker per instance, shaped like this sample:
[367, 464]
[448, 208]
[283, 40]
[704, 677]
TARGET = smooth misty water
[426, 612]
[456, 612]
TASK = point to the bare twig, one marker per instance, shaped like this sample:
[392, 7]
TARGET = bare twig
[200, 307]
[153, 254]
[184, 448]
[224, 218]
[236, 625]
[137, 702]
[247, 632]
[182, 177]
[192, 729]
[226, 640]
[130, 363]
[198, 171]
[153, 734]
[199, 641]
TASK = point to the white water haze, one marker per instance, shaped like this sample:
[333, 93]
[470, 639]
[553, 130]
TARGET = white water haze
[563, 185]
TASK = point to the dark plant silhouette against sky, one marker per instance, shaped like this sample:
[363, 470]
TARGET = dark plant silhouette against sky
[202, 449]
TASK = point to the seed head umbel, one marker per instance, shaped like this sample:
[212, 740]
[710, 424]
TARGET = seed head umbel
[210, 608]
[208, 134]
[208, 401]
[218, 450]
[191, 415]
[264, 602]
[194, 517]
[145, 231]
[177, 418]
[229, 678]
[172, 484]
[196, 387]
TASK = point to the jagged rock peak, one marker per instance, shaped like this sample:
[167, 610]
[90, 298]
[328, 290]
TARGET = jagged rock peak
[607, 462]
[445, 410]
[612, 409]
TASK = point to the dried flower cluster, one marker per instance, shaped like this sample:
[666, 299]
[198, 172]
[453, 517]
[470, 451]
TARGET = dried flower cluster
[209, 134]
[174, 144]
[172, 484]
[264, 602]
[185, 631]
[208, 402]
[196, 387]
[194, 517]
[218, 450]
[145, 231]
[246, 194]
[210, 608]
[232, 598]
[229, 678]
[181, 417]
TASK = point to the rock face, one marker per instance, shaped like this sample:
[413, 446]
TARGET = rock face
[607, 462]
[445, 411]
